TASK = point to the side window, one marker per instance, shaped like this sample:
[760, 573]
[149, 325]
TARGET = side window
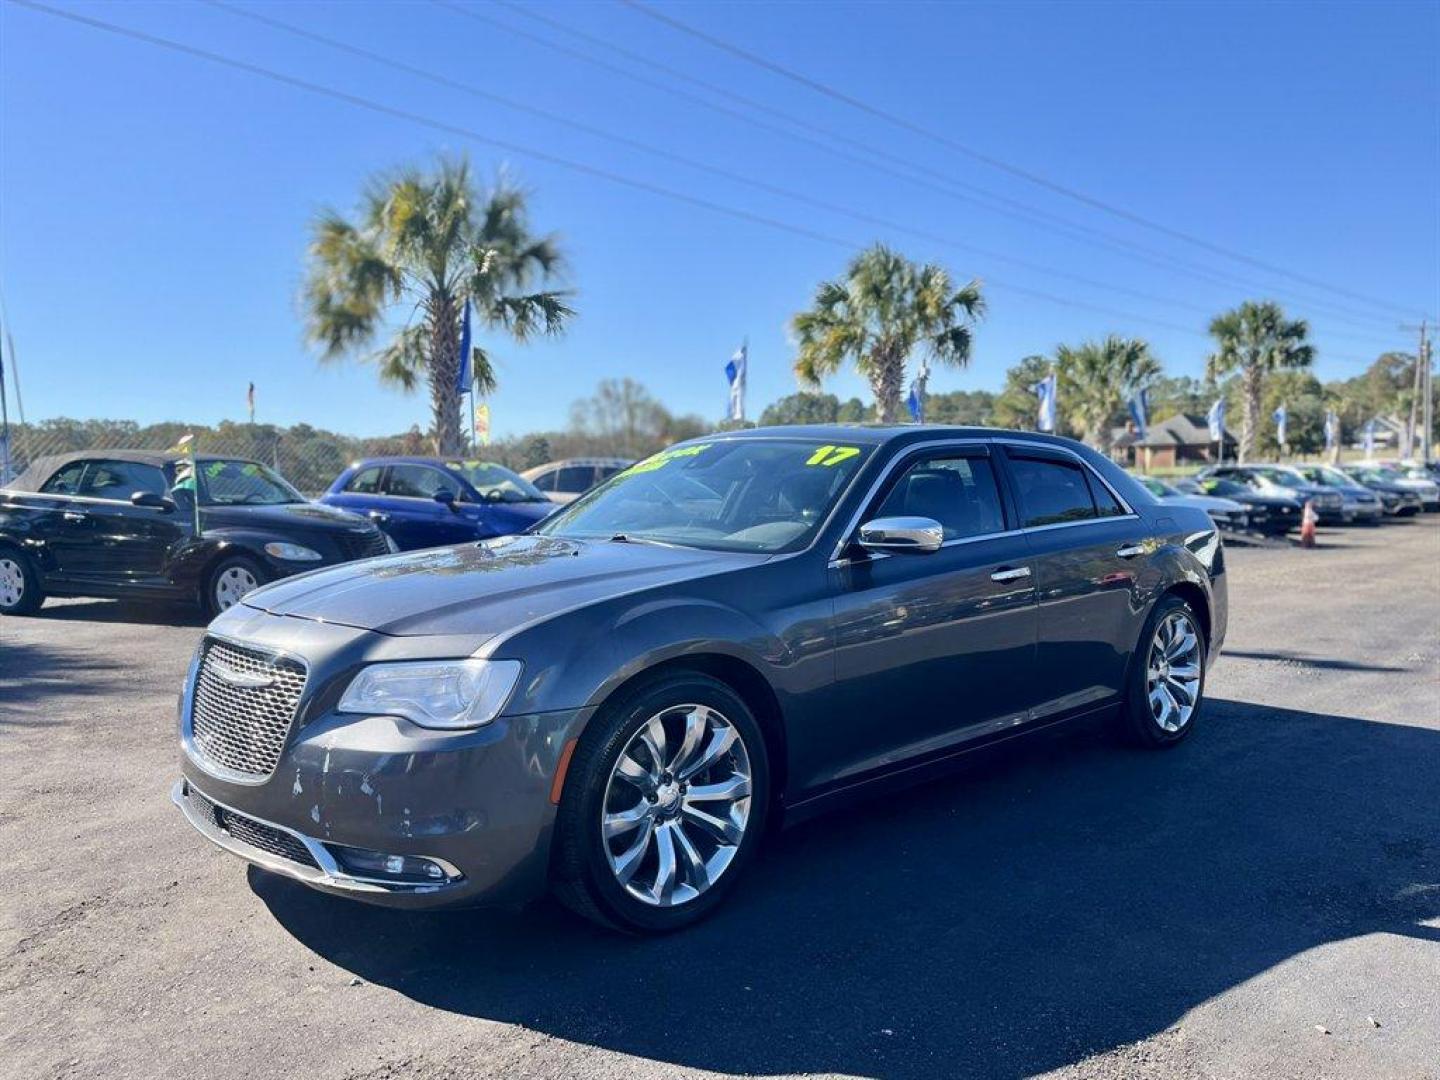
[66, 481]
[419, 482]
[545, 481]
[120, 479]
[604, 472]
[365, 482]
[575, 478]
[958, 492]
[1106, 505]
[1051, 492]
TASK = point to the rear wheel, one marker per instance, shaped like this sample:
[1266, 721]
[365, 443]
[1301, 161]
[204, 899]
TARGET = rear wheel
[663, 807]
[231, 579]
[20, 591]
[1167, 676]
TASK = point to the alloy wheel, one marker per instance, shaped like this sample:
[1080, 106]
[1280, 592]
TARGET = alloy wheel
[232, 585]
[1172, 683]
[12, 582]
[676, 805]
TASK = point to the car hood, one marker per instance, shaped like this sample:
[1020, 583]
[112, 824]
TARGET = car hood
[480, 590]
[1208, 503]
[284, 516]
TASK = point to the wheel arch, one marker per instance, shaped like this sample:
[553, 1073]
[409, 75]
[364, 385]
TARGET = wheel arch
[1199, 603]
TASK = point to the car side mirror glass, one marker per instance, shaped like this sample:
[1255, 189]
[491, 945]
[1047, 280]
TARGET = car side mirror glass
[902, 534]
[445, 498]
[150, 501]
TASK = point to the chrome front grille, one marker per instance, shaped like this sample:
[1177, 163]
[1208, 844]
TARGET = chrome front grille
[364, 545]
[242, 707]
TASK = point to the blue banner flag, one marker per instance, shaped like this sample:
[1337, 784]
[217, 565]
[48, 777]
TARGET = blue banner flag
[1370, 438]
[1140, 412]
[467, 374]
[1045, 391]
[1332, 429]
[735, 376]
[1280, 416]
[914, 404]
[1216, 420]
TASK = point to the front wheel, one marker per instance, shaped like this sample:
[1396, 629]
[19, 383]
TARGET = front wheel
[1167, 676]
[229, 582]
[663, 806]
[20, 591]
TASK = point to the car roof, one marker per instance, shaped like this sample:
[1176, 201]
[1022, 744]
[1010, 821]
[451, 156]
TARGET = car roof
[42, 468]
[418, 459]
[872, 434]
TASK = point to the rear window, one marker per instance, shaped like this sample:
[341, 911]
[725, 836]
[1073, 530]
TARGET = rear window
[1052, 492]
[119, 480]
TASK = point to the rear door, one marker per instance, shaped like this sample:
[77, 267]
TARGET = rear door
[935, 649]
[1087, 548]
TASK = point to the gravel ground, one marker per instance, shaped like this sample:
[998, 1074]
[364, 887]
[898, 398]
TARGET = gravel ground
[1263, 901]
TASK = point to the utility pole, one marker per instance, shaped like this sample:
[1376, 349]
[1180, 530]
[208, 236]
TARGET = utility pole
[1422, 398]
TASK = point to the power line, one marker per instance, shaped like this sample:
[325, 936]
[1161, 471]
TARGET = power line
[381, 108]
[1081, 197]
[929, 178]
[692, 163]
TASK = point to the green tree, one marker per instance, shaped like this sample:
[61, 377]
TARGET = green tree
[1095, 380]
[969, 408]
[884, 309]
[431, 241]
[535, 451]
[1253, 341]
[1182, 394]
[852, 411]
[805, 407]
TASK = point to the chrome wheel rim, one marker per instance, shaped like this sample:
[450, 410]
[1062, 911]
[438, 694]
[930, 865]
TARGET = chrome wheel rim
[1173, 676]
[676, 805]
[232, 585]
[12, 582]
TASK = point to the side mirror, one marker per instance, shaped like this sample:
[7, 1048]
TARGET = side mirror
[148, 500]
[902, 534]
[445, 499]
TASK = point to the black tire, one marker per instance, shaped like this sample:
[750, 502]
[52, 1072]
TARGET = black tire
[1138, 722]
[581, 877]
[31, 593]
[210, 602]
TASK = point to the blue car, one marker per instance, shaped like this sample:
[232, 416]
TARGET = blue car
[429, 502]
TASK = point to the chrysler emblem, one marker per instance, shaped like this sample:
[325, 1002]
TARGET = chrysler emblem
[248, 680]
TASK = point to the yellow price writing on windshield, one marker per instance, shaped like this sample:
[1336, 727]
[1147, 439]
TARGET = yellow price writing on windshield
[664, 458]
[833, 455]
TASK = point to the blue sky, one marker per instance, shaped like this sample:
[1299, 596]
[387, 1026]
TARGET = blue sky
[154, 207]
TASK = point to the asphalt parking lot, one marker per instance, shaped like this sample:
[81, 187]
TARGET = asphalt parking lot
[1263, 901]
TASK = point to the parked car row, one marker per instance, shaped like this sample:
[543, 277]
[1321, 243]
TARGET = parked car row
[1270, 499]
[123, 523]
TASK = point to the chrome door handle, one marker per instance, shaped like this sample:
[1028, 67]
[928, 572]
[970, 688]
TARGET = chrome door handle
[377, 516]
[71, 515]
[1130, 551]
[1014, 574]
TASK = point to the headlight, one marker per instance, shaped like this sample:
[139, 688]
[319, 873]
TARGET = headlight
[292, 552]
[447, 694]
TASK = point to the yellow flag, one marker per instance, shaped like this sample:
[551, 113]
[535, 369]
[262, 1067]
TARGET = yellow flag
[482, 423]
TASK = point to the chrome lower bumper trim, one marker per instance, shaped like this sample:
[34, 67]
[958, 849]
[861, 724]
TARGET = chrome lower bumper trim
[330, 875]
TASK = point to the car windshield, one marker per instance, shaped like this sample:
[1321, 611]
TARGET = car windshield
[762, 495]
[495, 483]
[1377, 474]
[1327, 478]
[1283, 477]
[236, 483]
[1221, 489]
[1158, 488]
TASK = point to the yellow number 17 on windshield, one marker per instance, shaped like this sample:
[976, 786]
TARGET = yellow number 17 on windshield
[832, 455]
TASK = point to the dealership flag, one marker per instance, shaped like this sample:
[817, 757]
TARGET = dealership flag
[1140, 411]
[735, 376]
[914, 404]
[466, 374]
[250, 401]
[1045, 391]
[1216, 420]
[1280, 416]
[1370, 438]
[1332, 429]
[482, 424]
[187, 477]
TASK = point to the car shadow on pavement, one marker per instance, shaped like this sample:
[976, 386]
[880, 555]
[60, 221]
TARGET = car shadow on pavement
[1050, 904]
[130, 612]
[1296, 659]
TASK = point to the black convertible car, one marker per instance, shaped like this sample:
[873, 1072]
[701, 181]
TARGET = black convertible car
[121, 523]
[748, 626]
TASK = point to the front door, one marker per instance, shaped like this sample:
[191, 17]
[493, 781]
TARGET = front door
[933, 650]
[415, 518]
[104, 539]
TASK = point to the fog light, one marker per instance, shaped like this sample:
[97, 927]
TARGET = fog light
[401, 869]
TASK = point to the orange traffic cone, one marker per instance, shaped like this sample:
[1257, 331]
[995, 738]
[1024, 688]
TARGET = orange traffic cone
[1308, 520]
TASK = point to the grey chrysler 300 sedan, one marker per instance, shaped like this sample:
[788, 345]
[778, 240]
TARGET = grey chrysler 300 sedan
[616, 705]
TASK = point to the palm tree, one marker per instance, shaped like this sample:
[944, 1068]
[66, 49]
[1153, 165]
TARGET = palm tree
[1096, 378]
[431, 240]
[884, 309]
[1256, 339]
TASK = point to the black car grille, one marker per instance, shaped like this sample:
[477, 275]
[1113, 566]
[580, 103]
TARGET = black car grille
[249, 831]
[363, 544]
[243, 704]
